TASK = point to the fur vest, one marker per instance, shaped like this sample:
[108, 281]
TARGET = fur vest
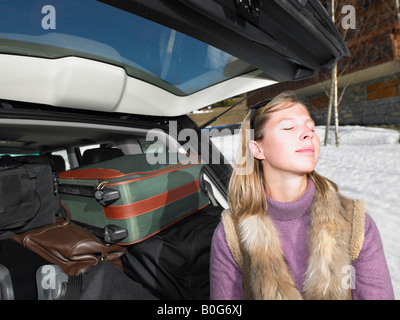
[335, 239]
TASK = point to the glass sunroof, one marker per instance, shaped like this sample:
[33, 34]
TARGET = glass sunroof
[93, 30]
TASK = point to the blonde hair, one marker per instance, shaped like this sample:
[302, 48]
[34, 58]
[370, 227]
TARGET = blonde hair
[246, 194]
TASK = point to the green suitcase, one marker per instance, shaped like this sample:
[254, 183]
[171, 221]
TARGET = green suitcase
[131, 193]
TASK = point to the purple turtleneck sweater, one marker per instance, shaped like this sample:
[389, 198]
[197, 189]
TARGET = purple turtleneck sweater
[291, 219]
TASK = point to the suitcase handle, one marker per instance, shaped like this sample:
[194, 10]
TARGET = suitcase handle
[105, 196]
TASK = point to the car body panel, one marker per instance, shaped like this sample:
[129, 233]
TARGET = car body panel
[99, 57]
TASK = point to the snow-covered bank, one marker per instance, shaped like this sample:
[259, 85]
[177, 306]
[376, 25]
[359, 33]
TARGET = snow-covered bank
[365, 166]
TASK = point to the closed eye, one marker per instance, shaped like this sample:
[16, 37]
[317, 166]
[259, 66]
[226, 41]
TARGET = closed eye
[289, 128]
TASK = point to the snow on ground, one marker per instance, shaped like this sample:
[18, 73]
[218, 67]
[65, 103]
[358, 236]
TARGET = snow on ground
[365, 166]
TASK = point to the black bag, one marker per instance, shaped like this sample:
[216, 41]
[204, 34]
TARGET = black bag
[104, 281]
[28, 197]
[21, 265]
[174, 264]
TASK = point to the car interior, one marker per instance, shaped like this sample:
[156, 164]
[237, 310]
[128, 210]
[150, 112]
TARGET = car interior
[68, 141]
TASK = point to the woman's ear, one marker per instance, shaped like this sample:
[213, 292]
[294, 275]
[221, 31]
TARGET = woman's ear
[256, 150]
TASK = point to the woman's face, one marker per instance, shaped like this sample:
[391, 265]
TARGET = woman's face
[290, 144]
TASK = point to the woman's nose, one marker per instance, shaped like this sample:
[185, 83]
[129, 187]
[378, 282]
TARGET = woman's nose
[307, 134]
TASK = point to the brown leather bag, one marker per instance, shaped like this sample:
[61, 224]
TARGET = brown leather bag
[70, 246]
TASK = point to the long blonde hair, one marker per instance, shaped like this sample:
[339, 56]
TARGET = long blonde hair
[246, 187]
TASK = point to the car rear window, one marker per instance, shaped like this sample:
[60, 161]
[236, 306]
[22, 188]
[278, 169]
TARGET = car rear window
[94, 30]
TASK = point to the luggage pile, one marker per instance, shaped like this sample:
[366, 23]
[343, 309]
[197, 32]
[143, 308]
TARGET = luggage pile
[156, 214]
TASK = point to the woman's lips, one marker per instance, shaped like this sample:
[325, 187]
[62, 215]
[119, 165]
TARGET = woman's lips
[306, 150]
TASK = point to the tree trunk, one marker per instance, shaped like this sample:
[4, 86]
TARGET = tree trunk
[333, 99]
[335, 102]
[398, 11]
[328, 118]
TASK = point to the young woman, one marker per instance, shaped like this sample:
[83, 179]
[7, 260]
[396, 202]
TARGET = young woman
[288, 233]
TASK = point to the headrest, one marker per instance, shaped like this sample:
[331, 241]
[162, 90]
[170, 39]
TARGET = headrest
[96, 155]
[57, 163]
